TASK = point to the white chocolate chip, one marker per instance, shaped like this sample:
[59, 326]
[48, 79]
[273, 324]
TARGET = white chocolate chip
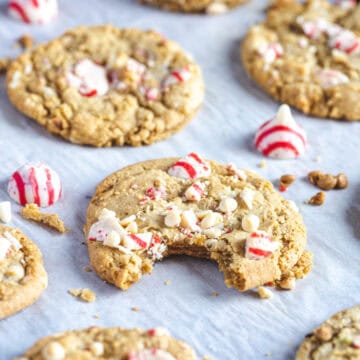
[210, 220]
[97, 348]
[189, 220]
[172, 219]
[247, 195]
[128, 220]
[264, 293]
[216, 8]
[5, 211]
[112, 240]
[250, 223]
[15, 272]
[213, 232]
[53, 351]
[132, 228]
[228, 205]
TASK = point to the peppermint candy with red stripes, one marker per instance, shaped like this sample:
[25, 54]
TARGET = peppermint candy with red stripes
[35, 184]
[329, 78]
[89, 78]
[190, 167]
[281, 137]
[177, 76]
[33, 11]
[150, 354]
[195, 191]
[271, 52]
[259, 245]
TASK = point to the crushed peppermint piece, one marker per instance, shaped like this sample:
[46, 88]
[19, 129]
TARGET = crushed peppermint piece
[190, 167]
[259, 245]
[195, 191]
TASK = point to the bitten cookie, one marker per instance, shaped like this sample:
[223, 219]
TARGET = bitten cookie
[190, 206]
[307, 55]
[337, 338]
[104, 86]
[22, 274]
[114, 343]
[212, 7]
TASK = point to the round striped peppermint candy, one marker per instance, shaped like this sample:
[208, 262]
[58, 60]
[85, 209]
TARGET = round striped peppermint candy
[151, 354]
[191, 166]
[259, 245]
[33, 11]
[281, 137]
[35, 184]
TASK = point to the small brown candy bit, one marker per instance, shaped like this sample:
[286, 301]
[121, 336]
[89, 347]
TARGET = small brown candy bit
[26, 41]
[328, 181]
[287, 180]
[318, 199]
[324, 332]
[4, 64]
[313, 176]
[342, 181]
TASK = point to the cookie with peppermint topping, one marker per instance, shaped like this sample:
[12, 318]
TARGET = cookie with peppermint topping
[110, 343]
[337, 338]
[210, 7]
[307, 54]
[105, 86]
[193, 206]
[22, 274]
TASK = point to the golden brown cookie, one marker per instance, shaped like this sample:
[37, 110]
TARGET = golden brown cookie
[157, 208]
[336, 339]
[307, 54]
[104, 86]
[110, 343]
[212, 7]
[22, 274]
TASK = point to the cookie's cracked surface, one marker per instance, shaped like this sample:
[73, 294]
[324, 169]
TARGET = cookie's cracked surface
[198, 208]
[110, 343]
[208, 6]
[308, 56]
[337, 338]
[104, 86]
[22, 274]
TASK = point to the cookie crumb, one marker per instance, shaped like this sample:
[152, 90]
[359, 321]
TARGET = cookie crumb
[264, 293]
[4, 64]
[32, 212]
[215, 294]
[324, 332]
[26, 41]
[342, 181]
[167, 282]
[96, 316]
[87, 268]
[135, 309]
[262, 164]
[328, 181]
[206, 357]
[318, 199]
[286, 180]
[84, 294]
[287, 283]
[318, 159]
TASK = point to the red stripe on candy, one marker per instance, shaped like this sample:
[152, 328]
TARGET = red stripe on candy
[259, 252]
[196, 158]
[35, 3]
[188, 168]
[280, 145]
[198, 188]
[90, 93]
[279, 128]
[17, 8]
[34, 186]
[50, 188]
[177, 75]
[140, 242]
[21, 188]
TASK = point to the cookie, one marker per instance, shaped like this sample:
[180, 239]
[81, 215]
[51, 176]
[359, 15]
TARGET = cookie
[104, 86]
[336, 338]
[22, 274]
[114, 343]
[195, 207]
[212, 7]
[306, 54]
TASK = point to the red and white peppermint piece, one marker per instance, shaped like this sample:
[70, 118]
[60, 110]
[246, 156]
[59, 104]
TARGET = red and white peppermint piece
[89, 78]
[159, 331]
[356, 342]
[157, 248]
[33, 11]
[8, 242]
[150, 354]
[150, 93]
[232, 169]
[35, 184]
[270, 52]
[259, 245]
[329, 78]
[281, 137]
[176, 77]
[195, 191]
[190, 167]
[346, 4]
[138, 241]
[135, 67]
